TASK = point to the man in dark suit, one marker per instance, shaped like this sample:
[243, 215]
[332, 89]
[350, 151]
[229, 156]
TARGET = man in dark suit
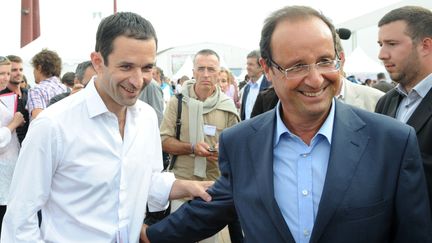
[405, 37]
[313, 169]
[265, 101]
[257, 82]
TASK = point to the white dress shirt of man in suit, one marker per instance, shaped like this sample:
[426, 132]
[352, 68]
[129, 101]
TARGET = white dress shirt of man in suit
[313, 169]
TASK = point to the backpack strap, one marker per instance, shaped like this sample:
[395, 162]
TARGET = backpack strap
[178, 126]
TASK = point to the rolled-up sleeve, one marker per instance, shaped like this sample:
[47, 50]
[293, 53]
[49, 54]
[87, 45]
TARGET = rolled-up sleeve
[160, 189]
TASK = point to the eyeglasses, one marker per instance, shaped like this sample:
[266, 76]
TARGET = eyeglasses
[302, 70]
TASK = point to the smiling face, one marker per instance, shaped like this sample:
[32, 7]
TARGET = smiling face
[306, 98]
[129, 64]
[399, 54]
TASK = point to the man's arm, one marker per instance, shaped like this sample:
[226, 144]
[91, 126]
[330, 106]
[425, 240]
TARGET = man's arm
[187, 188]
[35, 112]
[31, 183]
[198, 219]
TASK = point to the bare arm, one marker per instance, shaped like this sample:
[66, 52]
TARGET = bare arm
[187, 188]
[174, 146]
[35, 112]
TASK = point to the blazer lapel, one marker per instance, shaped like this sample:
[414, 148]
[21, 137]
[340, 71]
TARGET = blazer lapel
[394, 103]
[422, 113]
[260, 148]
[348, 144]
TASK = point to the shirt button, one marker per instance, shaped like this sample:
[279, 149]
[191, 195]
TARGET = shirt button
[305, 192]
[306, 232]
[304, 155]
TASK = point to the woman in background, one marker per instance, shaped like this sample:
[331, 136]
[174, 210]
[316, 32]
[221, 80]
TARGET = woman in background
[9, 144]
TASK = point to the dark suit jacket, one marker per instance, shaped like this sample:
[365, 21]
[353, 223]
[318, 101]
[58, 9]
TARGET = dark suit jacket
[265, 101]
[421, 120]
[373, 192]
[264, 85]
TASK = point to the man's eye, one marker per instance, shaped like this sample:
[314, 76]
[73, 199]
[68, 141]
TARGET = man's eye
[297, 68]
[125, 67]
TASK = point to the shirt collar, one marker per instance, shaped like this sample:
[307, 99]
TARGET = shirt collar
[258, 82]
[325, 130]
[422, 88]
[95, 104]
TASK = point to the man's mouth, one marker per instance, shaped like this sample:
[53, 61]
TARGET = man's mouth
[312, 94]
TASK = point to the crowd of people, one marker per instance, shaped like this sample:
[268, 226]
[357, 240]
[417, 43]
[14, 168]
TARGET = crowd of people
[296, 152]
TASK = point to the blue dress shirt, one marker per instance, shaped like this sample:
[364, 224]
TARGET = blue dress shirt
[299, 174]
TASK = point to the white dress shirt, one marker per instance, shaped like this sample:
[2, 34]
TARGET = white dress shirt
[412, 100]
[254, 89]
[91, 184]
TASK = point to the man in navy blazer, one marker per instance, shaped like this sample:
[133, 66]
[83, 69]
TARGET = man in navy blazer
[258, 82]
[312, 169]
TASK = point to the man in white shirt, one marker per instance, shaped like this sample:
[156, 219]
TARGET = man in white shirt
[92, 162]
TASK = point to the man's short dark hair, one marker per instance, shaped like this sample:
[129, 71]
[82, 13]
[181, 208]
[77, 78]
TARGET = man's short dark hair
[418, 20]
[68, 79]
[288, 13]
[381, 76]
[206, 52]
[81, 69]
[255, 54]
[126, 24]
[14, 58]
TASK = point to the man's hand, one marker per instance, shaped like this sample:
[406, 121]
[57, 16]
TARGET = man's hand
[185, 188]
[202, 149]
[143, 234]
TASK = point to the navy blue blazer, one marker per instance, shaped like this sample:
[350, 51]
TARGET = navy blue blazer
[374, 189]
[264, 85]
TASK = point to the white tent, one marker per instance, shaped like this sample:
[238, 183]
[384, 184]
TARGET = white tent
[360, 63]
[185, 69]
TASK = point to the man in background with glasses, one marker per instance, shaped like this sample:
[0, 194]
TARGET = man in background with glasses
[313, 169]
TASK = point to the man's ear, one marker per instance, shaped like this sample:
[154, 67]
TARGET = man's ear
[426, 46]
[342, 57]
[97, 61]
[266, 68]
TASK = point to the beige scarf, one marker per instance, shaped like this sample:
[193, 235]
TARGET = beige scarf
[218, 100]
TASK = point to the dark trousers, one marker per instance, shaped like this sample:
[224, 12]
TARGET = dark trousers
[2, 213]
[235, 231]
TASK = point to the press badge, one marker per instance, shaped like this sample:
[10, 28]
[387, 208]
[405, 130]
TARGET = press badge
[209, 130]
